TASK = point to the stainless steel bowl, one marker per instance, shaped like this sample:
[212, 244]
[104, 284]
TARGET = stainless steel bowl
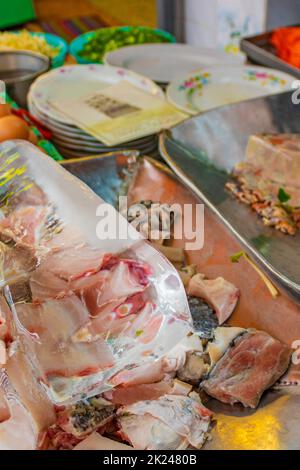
[18, 69]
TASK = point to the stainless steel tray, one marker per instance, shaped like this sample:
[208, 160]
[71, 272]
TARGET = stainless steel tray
[203, 150]
[260, 51]
[275, 424]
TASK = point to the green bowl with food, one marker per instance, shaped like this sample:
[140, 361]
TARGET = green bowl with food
[92, 46]
[50, 45]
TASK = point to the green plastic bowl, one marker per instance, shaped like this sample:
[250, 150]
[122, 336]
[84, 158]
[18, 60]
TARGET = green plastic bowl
[78, 44]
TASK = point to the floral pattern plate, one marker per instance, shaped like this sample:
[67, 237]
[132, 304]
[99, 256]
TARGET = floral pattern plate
[72, 80]
[220, 85]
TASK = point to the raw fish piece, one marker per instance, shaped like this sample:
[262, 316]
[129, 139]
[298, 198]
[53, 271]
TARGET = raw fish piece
[5, 320]
[55, 322]
[16, 261]
[112, 319]
[45, 285]
[102, 282]
[58, 439]
[97, 442]
[194, 368]
[140, 375]
[223, 337]
[4, 408]
[182, 415]
[24, 381]
[24, 224]
[181, 388]
[86, 416]
[251, 366]
[81, 261]
[146, 325]
[118, 282]
[32, 196]
[127, 395]
[162, 368]
[219, 293]
[146, 432]
[17, 431]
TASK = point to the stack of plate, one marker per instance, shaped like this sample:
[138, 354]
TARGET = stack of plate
[71, 81]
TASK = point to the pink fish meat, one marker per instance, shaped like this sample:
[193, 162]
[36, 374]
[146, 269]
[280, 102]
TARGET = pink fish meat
[220, 294]
[251, 366]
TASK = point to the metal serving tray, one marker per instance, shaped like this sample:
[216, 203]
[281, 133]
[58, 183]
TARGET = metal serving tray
[275, 424]
[260, 51]
[203, 150]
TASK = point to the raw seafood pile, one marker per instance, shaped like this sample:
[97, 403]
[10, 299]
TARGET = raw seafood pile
[268, 180]
[97, 347]
[77, 311]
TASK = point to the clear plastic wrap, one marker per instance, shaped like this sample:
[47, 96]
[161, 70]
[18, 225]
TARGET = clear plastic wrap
[83, 306]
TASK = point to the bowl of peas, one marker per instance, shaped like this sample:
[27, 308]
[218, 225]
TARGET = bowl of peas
[91, 47]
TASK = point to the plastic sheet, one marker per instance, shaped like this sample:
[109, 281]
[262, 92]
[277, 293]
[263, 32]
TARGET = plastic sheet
[84, 306]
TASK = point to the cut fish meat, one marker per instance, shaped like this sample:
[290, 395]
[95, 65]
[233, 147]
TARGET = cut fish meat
[145, 432]
[163, 368]
[251, 366]
[55, 322]
[97, 442]
[122, 280]
[146, 325]
[24, 225]
[182, 418]
[16, 261]
[112, 319]
[223, 337]
[103, 281]
[24, 381]
[86, 416]
[127, 395]
[17, 429]
[82, 261]
[219, 293]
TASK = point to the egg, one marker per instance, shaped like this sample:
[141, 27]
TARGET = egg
[32, 137]
[13, 127]
[5, 110]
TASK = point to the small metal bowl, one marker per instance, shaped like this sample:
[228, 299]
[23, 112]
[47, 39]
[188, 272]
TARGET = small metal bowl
[18, 69]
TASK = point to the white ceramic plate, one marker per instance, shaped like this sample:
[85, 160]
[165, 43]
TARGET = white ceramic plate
[211, 87]
[71, 134]
[69, 152]
[74, 80]
[164, 62]
[79, 144]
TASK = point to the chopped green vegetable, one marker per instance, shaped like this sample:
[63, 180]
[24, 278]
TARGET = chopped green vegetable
[235, 258]
[283, 196]
[108, 39]
[139, 332]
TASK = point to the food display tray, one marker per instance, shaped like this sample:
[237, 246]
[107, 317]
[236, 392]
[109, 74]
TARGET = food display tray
[203, 151]
[259, 50]
[274, 425]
